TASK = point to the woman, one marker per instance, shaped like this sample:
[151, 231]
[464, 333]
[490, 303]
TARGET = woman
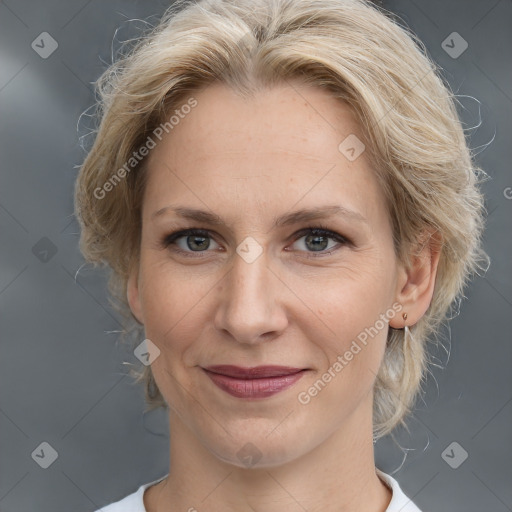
[284, 194]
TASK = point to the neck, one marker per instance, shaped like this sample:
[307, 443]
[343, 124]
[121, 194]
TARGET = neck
[338, 475]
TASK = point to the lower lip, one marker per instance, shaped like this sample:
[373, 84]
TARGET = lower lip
[254, 388]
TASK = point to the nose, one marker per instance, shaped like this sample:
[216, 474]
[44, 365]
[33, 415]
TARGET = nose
[251, 301]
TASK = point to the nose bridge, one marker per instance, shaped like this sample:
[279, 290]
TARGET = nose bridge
[249, 305]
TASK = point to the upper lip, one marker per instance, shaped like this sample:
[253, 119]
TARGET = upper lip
[254, 372]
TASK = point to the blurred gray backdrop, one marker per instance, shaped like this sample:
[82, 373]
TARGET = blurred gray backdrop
[73, 436]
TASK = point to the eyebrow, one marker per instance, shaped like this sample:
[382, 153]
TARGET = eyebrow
[303, 215]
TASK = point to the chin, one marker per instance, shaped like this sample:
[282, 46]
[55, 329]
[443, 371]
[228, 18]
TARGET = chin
[258, 451]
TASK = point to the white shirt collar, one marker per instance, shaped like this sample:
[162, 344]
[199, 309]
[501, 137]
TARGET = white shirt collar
[135, 502]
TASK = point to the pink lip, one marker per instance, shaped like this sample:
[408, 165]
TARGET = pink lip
[258, 382]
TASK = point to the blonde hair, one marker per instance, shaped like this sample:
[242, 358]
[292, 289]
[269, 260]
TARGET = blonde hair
[364, 58]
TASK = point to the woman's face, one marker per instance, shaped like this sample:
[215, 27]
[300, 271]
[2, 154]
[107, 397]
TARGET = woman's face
[256, 288]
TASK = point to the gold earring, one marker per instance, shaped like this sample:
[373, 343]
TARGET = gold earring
[407, 331]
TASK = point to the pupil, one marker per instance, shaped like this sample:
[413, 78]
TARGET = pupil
[203, 244]
[315, 239]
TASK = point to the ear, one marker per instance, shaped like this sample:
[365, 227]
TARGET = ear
[415, 286]
[133, 295]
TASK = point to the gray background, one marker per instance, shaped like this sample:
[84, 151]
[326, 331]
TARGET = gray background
[62, 378]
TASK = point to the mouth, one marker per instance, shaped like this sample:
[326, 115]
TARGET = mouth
[253, 383]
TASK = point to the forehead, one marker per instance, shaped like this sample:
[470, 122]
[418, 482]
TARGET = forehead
[275, 149]
[290, 117]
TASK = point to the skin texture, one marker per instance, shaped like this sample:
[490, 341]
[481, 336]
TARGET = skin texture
[250, 161]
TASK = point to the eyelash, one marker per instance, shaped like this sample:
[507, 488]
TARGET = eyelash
[318, 230]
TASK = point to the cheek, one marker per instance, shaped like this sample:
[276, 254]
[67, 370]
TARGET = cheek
[174, 313]
[352, 351]
[172, 303]
[346, 319]
[344, 302]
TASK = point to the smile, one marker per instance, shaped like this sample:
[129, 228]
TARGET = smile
[253, 383]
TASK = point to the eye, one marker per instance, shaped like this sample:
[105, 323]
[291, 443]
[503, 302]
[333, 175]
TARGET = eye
[188, 241]
[193, 240]
[316, 240]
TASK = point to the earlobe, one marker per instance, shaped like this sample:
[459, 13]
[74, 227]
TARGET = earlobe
[416, 284]
[133, 296]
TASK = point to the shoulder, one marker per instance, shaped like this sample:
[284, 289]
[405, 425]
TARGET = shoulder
[400, 502]
[132, 503]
